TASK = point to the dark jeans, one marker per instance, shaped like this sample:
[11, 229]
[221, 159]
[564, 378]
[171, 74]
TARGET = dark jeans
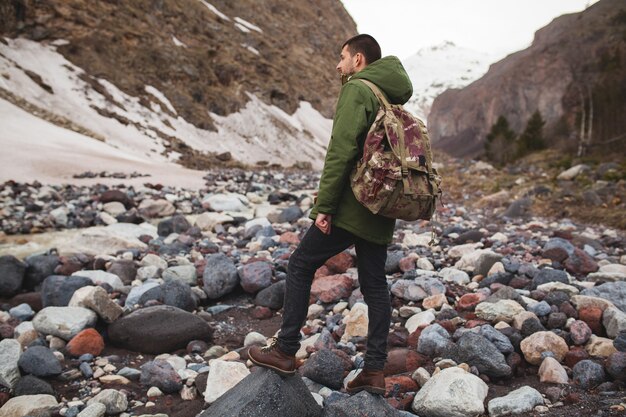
[314, 250]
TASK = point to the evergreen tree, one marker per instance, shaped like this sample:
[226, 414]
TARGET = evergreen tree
[531, 139]
[500, 144]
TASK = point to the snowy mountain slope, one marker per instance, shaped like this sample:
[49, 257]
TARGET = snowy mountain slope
[435, 69]
[144, 126]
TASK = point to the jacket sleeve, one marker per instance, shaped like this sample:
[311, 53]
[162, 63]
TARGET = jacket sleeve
[350, 123]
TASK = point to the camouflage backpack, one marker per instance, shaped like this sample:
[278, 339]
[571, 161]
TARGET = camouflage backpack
[395, 177]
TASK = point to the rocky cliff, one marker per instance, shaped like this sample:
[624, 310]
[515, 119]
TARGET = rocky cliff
[188, 60]
[576, 62]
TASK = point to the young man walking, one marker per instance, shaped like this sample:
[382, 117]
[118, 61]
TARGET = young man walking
[341, 221]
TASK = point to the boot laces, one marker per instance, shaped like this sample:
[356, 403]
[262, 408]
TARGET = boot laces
[272, 344]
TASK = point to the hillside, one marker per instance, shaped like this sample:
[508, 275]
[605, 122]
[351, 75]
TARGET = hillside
[574, 70]
[182, 81]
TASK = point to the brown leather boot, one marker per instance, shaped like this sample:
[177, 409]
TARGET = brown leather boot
[272, 357]
[370, 381]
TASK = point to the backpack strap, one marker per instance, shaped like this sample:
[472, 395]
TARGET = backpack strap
[386, 106]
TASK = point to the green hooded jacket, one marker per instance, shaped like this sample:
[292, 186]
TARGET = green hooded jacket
[355, 113]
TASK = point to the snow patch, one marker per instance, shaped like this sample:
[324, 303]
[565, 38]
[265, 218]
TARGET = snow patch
[177, 42]
[161, 97]
[247, 24]
[434, 69]
[214, 10]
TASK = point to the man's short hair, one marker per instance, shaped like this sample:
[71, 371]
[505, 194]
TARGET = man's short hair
[365, 44]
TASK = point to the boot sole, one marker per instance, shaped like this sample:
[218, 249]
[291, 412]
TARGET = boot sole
[368, 388]
[279, 371]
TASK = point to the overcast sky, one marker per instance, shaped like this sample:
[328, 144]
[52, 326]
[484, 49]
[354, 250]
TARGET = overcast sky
[500, 27]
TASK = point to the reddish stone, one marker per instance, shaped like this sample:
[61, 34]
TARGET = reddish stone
[414, 337]
[398, 338]
[4, 397]
[579, 332]
[470, 301]
[557, 253]
[470, 324]
[519, 282]
[616, 366]
[448, 325]
[291, 238]
[396, 361]
[33, 299]
[340, 263]
[322, 271]
[402, 401]
[572, 398]
[262, 313]
[415, 360]
[331, 288]
[575, 355]
[399, 384]
[496, 286]
[593, 317]
[87, 341]
[569, 310]
[407, 263]
[6, 331]
[580, 263]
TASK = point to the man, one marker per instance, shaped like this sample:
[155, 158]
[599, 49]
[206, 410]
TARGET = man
[341, 221]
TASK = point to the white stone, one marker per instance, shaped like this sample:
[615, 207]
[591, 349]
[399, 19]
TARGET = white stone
[154, 392]
[97, 277]
[147, 272]
[469, 260]
[496, 268]
[572, 172]
[534, 345]
[413, 240]
[24, 405]
[454, 275]
[109, 239]
[314, 311]
[302, 353]
[222, 377]
[516, 402]
[459, 251]
[156, 208]
[114, 208]
[614, 321]
[356, 322]
[182, 273]
[425, 264]
[153, 260]
[407, 311]
[254, 338]
[503, 310]
[600, 347]
[114, 401]
[499, 237]
[558, 286]
[107, 218]
[59, 215]
[340, 307]
[93, 410]
[423, 318]
[226, 202]
[207, 221]
[452, 392]
[421, 376]
[260, 221]
[606, 277]
[10, 351]
[23, 327]
[64, 322]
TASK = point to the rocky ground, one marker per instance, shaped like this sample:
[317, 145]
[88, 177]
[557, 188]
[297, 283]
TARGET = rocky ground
[147, 302]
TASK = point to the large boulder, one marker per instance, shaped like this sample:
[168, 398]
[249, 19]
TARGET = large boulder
[536, 344]
[220, 275]
[12, 272]
[266, 394]
[272, 296]
[255, 276]
[453, 392]
[324, 367]
[158, 329]
[362, 404]
[64, 322]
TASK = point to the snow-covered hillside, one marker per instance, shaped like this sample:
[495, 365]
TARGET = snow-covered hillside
[140, 127]
[435, 69]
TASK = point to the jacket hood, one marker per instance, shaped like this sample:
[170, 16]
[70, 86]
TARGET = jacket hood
[390, 76]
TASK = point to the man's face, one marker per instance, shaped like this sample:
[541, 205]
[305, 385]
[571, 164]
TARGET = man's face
[347, 63]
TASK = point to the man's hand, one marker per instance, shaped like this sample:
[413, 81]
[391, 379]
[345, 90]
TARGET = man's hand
[323, 221]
